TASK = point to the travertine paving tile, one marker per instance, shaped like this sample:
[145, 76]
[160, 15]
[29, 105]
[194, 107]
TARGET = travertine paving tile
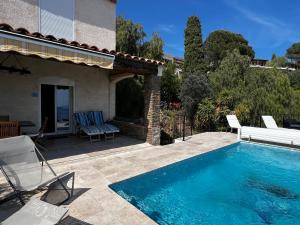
[100, 164]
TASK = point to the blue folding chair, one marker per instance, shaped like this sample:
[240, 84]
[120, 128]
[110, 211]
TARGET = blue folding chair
[85, 125]
[97, 119]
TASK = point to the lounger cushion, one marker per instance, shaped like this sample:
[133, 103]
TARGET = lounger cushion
[92, 130]
[233, 121]
[112, 128]
[269, 122]
[85, 124]
[37, 212]
[97, 118]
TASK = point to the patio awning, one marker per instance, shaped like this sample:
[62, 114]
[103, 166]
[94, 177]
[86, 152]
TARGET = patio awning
[44, 48]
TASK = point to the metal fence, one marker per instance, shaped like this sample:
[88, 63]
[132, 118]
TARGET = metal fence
[181, 127]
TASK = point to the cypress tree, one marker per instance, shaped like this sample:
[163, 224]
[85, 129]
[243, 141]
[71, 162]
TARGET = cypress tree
[195, 85]
[194, 53]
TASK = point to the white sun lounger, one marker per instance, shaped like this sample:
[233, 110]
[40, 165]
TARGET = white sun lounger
[282, 136]
[37, 212]
[269, 122]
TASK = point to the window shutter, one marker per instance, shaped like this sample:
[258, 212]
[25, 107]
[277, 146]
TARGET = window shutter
[57, 18]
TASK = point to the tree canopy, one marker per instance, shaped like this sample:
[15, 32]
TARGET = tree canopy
[277, 61]
[293, 53]
[130, 36]
[154, 49]
[193, 54]
[195, 88]
[250, 92]
[220, 42]
[195, 85]
[131, 39]
[170, 84]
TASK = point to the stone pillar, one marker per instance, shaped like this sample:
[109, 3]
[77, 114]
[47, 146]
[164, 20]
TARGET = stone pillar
[152, 108]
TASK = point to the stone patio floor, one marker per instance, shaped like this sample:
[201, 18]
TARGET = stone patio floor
[100, 164]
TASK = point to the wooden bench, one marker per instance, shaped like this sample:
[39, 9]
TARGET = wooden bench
[9, 129]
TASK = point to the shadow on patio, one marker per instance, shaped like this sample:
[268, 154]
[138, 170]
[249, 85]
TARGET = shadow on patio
[77, 148]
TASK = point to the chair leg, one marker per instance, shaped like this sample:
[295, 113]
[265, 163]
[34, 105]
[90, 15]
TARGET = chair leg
[19, 195]
[12, 196]
[73, 182]
[66, 190]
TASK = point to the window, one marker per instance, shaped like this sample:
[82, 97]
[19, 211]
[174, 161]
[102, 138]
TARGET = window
[57, 18]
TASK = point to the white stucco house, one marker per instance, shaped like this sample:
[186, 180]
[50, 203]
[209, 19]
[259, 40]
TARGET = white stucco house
[58, 57]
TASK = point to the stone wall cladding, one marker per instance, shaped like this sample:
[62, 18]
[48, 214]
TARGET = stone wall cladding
[152, 109]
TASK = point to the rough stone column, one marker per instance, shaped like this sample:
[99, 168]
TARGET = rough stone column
[152, 108]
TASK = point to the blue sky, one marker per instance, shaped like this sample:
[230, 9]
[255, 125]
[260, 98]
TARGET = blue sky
[270, 26]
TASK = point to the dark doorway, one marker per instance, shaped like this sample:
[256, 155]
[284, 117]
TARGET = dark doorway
[48, 106]
[130, 99]
[56, 104]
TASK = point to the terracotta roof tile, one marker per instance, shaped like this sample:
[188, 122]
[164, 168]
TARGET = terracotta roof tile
[23, 31]
[51, 38]
[37, 35]
[63, 41]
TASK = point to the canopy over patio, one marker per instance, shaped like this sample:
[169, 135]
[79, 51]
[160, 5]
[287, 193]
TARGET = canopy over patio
[116, 65]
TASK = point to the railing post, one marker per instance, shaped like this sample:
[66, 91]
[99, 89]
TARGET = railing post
[183, 129]
[260, 121]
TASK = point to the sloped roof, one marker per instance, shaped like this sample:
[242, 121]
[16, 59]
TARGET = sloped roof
[51, 38]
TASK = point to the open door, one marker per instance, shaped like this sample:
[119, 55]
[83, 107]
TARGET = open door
[56, 104]
[48, 106]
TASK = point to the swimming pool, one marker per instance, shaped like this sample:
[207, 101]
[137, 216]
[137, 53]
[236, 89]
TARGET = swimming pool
[239, 184]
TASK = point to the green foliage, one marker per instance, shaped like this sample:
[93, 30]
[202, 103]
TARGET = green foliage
[220, 42]
[131, 104]
[277, 61]
[268, 92]
[154, 50]
[231, 72]
[170, 84]
[131, 39]
[130, 36]
[195, 88]
[168, 121]
[206, 115]
[250, 92]
[225, 101]
[293, 53]
[242, 110]
[194, 54]
[195, 85]
[295, 103]
[294, 77]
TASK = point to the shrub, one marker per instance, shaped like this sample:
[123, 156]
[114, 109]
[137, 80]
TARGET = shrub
[206, 115]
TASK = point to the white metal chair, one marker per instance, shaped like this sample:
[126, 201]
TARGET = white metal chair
[20, 164]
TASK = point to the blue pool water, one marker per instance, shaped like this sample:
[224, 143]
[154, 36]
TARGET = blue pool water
[239, 184]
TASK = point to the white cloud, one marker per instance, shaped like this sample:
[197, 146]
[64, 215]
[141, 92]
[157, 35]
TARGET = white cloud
[168, 28]
[262, 20]
[275, 28]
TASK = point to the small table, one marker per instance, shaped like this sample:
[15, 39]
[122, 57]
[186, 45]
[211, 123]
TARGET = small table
[25, 123]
